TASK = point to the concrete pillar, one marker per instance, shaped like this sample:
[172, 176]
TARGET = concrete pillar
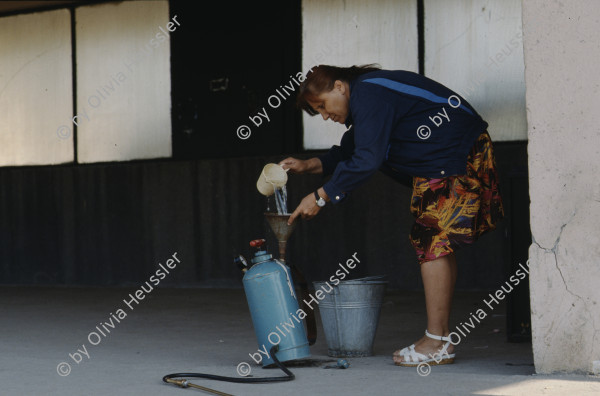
[562, 52]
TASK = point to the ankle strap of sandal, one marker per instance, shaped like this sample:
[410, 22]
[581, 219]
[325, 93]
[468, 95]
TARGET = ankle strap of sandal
[436, 337]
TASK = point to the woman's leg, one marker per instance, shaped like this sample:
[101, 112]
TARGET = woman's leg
[439, 278]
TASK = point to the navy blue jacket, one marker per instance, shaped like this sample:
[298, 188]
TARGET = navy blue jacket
[404, 124]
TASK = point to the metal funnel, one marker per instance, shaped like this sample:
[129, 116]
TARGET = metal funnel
[281, 229]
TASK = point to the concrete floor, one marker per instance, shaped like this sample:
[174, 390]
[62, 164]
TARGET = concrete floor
[210, 331]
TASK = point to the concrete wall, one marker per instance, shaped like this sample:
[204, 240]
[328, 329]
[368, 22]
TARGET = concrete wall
[354, 32]
[35, 88]
[123, 81]
[563, 94]
[475, 47]
[472, 46]
[123, 85]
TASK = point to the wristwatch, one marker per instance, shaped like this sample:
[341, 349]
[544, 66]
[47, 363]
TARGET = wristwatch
[320, 201]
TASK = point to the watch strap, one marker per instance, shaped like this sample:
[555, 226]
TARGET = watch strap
[317, 197]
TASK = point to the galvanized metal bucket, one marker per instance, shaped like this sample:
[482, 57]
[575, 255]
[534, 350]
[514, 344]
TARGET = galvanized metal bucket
[350, 314]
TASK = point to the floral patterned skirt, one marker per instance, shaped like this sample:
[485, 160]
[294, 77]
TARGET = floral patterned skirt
[454, 211]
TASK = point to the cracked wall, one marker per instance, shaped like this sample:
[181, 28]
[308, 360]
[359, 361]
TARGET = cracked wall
[563, 95]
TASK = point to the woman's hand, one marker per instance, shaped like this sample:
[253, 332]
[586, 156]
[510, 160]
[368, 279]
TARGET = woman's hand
[311, 165]
[308, 209]
[294, 165]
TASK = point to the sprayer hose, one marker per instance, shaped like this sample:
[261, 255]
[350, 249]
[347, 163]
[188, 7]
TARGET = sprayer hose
[170, 378]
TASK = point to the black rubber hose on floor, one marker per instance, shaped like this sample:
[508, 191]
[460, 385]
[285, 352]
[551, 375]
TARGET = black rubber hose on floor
[288, 377]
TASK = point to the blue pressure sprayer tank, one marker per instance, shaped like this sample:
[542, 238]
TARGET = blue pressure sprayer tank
[274, 308]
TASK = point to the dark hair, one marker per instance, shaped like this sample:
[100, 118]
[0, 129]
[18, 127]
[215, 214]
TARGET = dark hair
[322, 78]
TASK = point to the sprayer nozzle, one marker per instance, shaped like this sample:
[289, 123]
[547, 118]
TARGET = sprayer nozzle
[180, 382]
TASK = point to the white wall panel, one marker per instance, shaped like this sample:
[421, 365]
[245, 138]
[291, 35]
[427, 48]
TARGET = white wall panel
[35, 88]
[123, 81]
[353, 32]
[475, 47]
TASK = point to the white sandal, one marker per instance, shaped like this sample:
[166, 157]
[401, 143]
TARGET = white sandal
[412, 358]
